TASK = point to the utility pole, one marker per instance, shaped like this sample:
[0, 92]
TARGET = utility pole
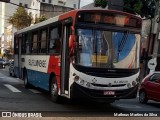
[79, 2]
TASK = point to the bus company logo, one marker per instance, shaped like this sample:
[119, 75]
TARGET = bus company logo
[39, 63]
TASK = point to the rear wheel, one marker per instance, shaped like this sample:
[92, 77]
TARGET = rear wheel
[26, 84]
[10, 74]
[143, 97]
[13, 74]
[54, 90]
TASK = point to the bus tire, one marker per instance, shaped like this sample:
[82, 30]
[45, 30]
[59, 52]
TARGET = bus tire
[54, 90]
[26, 84]
[10, 74]
[143, 97]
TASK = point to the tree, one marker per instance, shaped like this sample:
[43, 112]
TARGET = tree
[144, 8]
[40, 19]
[20, 18]
[100, 3]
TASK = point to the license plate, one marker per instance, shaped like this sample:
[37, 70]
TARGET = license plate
[109, 93]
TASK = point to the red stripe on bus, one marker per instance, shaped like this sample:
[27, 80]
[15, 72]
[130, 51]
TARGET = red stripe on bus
[53, 65]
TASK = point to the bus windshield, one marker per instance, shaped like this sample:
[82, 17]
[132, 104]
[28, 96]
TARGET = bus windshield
[107, 49]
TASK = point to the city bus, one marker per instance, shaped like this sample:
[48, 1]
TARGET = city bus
[81, 54]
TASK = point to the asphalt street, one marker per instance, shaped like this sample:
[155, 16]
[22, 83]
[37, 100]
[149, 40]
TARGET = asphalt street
[14, 97]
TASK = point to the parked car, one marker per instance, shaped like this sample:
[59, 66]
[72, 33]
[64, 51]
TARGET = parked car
[150, 88]
[2, 63]
[11, 69]
[6, 62]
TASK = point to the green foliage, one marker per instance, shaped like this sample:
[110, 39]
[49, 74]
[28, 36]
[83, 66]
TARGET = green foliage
[40, 19]
[100, 3]
[144, 8]
[148, 9]
[20, 18]
[133, 6]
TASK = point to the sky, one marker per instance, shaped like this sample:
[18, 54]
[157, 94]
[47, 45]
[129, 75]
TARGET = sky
[85, 2]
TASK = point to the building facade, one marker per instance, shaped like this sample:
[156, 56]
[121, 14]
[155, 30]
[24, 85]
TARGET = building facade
[51, 8]
[7, 30]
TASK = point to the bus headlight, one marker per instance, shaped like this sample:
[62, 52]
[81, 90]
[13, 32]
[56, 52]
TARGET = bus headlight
[76, 78]
[138, 79]
[88, 84]
[129, 85]
[81, 82]
[134, 83]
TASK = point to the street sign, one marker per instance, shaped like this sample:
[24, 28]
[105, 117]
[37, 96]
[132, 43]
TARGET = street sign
[152, 63]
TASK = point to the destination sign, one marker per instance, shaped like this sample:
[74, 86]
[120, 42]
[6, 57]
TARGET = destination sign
[110, 18]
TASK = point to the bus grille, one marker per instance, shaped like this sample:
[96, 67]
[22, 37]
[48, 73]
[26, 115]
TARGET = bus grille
[100, 85]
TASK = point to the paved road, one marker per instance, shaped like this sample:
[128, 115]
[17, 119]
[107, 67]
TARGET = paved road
[14, 97]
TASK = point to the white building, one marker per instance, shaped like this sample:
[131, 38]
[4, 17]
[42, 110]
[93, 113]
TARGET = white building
[7, 10]
[51, 8]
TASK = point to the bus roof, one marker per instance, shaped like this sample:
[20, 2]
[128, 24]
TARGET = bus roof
[67, 15]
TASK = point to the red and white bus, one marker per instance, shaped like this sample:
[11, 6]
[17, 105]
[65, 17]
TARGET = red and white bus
[82, 54]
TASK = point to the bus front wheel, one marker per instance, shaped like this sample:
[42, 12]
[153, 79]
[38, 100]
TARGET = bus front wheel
[54, 90]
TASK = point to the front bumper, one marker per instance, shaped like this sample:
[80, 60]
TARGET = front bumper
[79, 92]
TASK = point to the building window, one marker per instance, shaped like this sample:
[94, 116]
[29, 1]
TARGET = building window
[43, 0]
[20, 4]
[50, 1]
[74, 5]
[26, 5]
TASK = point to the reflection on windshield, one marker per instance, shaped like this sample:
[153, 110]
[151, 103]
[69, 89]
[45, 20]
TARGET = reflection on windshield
[107, 49]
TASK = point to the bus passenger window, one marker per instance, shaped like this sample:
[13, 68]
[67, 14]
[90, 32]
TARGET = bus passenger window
[54, 42]
[16, 45]
[42, 42]
[34, 44]
[55, 46]
[24, 45]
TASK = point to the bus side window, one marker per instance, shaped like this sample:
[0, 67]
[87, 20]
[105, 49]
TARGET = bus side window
[16, 45]
[27, 44]
[34, 42]
[42, 42]
[54, 42]
[24, 39]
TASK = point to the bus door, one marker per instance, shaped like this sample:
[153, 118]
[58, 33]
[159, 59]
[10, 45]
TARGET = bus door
[65, 60]
[19, 57]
